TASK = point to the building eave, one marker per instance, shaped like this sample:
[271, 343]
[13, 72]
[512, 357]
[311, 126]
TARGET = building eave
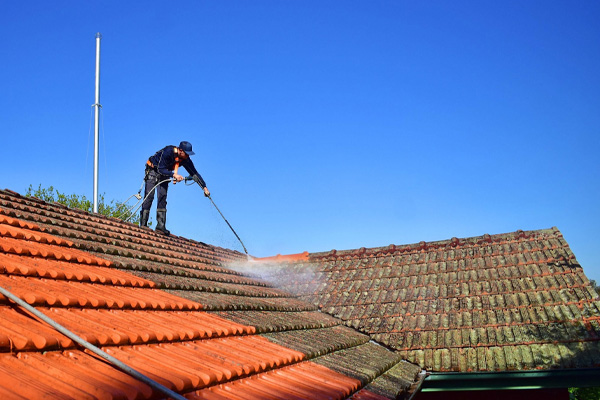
[511, 380]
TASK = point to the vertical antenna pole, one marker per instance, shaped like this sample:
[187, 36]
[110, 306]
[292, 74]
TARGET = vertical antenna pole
[97, 121]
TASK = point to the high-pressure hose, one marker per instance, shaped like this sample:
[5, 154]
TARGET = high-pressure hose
[137, 195]
[136, 204]
[101, 353]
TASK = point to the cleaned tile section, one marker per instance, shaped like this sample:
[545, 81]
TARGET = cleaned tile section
[182, 367]
[110, 327]
[32, 267]
[50, 292]
[305, 380]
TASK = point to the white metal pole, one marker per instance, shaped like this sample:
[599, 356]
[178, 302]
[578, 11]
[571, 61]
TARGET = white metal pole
[97, 121]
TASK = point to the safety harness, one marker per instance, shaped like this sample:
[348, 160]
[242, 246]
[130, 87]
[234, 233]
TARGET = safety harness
[150, 166]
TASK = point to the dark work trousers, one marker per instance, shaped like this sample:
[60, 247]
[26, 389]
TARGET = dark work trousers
[152, 179]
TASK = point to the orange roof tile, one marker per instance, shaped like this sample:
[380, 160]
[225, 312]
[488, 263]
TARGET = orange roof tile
[87, 284]
[284, 258]
[305, 380]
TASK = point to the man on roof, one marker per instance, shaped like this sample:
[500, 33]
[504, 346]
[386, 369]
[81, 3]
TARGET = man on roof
[160, 169]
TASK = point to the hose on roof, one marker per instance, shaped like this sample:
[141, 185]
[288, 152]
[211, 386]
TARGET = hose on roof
[137, 195]
[99, 352]
[132, 213]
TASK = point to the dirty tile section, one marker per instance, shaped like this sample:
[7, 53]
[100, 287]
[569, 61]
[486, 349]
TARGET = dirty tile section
[170, 307]
[392, 383]
[516, 301]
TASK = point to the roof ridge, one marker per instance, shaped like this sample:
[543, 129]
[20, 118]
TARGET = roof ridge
[438, 244]
[283, 258]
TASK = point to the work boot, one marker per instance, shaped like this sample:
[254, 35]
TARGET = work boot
[144, 215]
[161, 220]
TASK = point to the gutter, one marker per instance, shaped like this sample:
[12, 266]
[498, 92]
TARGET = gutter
[511, 380]
[422, 375]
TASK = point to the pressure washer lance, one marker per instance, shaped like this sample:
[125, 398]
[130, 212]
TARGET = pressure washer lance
[189, 178]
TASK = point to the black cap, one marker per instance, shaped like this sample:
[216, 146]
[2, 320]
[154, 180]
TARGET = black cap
[187, 147]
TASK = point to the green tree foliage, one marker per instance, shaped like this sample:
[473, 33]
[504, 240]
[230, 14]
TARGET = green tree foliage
[588, 393]
[112, 209]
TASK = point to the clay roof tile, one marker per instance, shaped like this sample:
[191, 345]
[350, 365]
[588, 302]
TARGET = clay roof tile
[99, 277]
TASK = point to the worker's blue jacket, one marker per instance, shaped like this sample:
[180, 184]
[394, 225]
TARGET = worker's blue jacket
[164, 162]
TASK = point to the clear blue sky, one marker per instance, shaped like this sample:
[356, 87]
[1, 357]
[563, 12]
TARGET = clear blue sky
[318, 124]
